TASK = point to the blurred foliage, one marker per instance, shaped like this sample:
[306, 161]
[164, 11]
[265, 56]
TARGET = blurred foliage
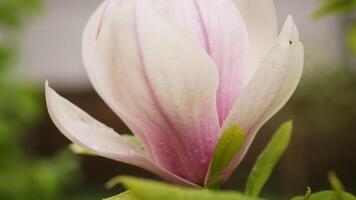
[25, 176]
[351, 38]
[7, 54]
[13, 13]
[19, 107]
[327, 101]
[338, 192]
[345, 7]
[335, 6]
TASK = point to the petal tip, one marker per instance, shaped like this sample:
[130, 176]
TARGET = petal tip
[49, 95]
[290, 31]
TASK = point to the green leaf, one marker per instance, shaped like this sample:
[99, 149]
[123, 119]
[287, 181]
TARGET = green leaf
[335, 6]
[153, 190]
[229, 144]
[335, 182]
[351, 38]
[337, 194]
[123, 196]
[268, 159]
[336, 185]
[327, 195]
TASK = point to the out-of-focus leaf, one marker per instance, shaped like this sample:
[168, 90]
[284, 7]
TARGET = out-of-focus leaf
[327, 195]
[153, 190]
[123, 196]
[268, 159]
[23, 175]
[335, 6]
[336, 184]
[13, 13]
[229, 144]
[7, 54]
[338, 193]
[351, 38]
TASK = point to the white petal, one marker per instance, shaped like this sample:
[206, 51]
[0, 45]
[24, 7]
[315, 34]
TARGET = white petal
[220, 29]
[91, 134]
[160, 82]
[261, 22]
[270, 88]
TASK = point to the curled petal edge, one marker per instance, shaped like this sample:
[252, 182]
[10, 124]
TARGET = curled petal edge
[87, 132]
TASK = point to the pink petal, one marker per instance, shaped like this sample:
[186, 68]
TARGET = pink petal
[91, 134]
[261, 22]
[270, 88]
[159, 81]
[220, 29]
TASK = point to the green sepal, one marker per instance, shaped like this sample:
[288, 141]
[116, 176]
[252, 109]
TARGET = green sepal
[229, 144]
[268, 159]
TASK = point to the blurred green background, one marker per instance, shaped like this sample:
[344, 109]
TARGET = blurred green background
[40, 40]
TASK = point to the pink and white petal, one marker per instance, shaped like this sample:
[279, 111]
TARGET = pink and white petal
[157, 78]
[87, 132]
[269, 90]
[93, 67]
[261, 22]
[220, 29]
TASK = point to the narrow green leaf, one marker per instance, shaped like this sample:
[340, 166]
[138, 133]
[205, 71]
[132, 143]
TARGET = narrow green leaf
[153, 190]
[336, 185]
[123, 196]
[326, 195]
[229, 144]
[268, 159]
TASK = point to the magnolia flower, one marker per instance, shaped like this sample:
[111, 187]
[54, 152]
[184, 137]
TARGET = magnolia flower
[178, 73]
